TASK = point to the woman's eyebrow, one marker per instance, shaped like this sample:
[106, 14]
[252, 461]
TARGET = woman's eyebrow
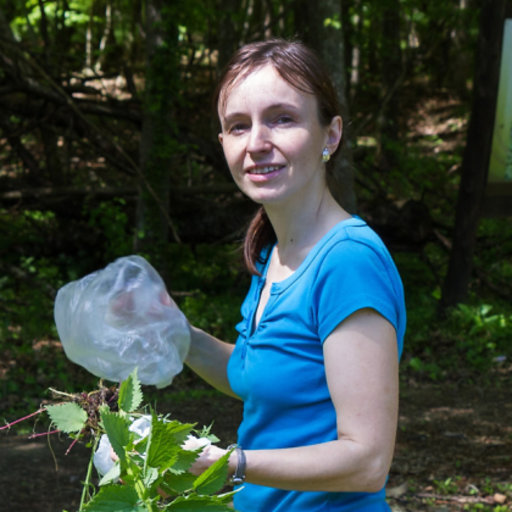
[269, 108]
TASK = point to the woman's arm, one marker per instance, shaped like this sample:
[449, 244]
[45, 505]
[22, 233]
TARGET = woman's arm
[361, 365]
[208, 357]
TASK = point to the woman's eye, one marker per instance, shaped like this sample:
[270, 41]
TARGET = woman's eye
[237, 128]
[284, 119]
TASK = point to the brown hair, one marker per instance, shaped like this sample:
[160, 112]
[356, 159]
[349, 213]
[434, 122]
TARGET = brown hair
[301, 68]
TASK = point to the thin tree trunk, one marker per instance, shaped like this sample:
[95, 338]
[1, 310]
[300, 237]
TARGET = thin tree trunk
[352, 50]
[107, 31]
[327, 40]
[476, 155]
[228, 32]
[158, 146]
[392, 76]
[88, 42]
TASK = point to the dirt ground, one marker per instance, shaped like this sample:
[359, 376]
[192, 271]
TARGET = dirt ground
[454, 451]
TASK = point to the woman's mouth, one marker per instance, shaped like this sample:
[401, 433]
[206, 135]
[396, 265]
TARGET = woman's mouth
[264, 170]
[264, 173]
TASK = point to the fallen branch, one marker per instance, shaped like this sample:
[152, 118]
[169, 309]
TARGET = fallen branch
[484, 500]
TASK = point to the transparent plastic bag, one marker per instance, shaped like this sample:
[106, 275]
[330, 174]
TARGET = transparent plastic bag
[122, 317]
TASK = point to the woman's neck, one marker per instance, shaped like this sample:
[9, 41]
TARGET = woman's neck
[299, 228]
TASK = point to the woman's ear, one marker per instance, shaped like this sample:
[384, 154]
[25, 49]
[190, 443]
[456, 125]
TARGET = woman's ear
[334, 134]
[220, 138]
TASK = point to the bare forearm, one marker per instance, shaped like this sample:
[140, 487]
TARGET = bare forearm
[335, 466]
[344, 465]
[208, 357]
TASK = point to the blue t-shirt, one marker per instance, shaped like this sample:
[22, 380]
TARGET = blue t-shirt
[278, 368]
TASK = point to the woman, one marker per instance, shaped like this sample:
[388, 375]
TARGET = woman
[316, 360]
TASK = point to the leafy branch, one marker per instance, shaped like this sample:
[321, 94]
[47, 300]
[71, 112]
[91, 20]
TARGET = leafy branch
[150, 470]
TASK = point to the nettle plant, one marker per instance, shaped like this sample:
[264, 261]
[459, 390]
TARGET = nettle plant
[108, 322]
[151, 472]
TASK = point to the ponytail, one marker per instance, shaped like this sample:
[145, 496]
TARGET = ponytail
[260, 234]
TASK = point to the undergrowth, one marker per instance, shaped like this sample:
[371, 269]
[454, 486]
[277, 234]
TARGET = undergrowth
[209, 283]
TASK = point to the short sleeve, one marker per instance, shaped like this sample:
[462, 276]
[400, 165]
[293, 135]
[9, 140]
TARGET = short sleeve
[354, 275]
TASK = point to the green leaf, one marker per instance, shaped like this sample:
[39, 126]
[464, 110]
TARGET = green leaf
[130, 393]
[116, 427]
[118, 498]
[214, 478]
[166, 440]
[150, 476]
[206, 432]
[195, 503]
[178, 483]
[184, 460]
[68, 417]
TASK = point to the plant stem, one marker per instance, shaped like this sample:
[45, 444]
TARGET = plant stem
[61, 393]
[71, 445]
[87, 482]
[9, 425]
[142, 492]
[41, 434]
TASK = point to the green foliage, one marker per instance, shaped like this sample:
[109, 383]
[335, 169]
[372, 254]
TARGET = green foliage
[130, 393]
[44, 248]
[69, 417]
[110, 498]
[471, 339]
[77, 13]
[215, 282]
[166, 438]
[447, 486]
[209, 282]
[480, 507]
[219, 315]
[485, 336]
[116, 427]
[211, 268]
[30, 358]
[145, 466]
[200, 503]
[214, 478]
[110, 220]
[489, 488]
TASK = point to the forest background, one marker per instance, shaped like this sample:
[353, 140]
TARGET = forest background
[108, 147]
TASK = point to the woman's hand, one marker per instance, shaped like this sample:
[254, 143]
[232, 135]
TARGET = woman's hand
[206, 458]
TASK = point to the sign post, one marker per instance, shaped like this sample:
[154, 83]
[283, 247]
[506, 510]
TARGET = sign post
[499, 182]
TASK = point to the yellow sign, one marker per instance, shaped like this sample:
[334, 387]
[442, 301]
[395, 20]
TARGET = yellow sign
[500, 165]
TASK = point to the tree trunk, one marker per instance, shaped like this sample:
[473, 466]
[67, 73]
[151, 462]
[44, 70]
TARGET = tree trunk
[228, 31]
[351, 47]
[391, 72]
[158, 146]
[105, 37]
[320, 27]
[476, 155]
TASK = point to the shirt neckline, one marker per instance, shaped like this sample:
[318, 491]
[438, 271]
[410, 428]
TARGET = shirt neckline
[279, 286]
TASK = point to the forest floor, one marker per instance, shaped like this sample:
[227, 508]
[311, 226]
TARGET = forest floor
[453, 453]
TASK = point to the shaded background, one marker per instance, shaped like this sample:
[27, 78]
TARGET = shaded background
[108, 147]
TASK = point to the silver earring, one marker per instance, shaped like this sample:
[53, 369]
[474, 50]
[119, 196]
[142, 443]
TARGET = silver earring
[326, 156]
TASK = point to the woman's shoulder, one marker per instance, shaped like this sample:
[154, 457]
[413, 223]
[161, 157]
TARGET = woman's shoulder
[351, 236]
[352, 251]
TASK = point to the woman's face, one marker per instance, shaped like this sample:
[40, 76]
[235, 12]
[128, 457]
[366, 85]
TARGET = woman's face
[273, 139]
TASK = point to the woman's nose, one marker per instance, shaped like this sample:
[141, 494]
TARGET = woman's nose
[259, 139]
